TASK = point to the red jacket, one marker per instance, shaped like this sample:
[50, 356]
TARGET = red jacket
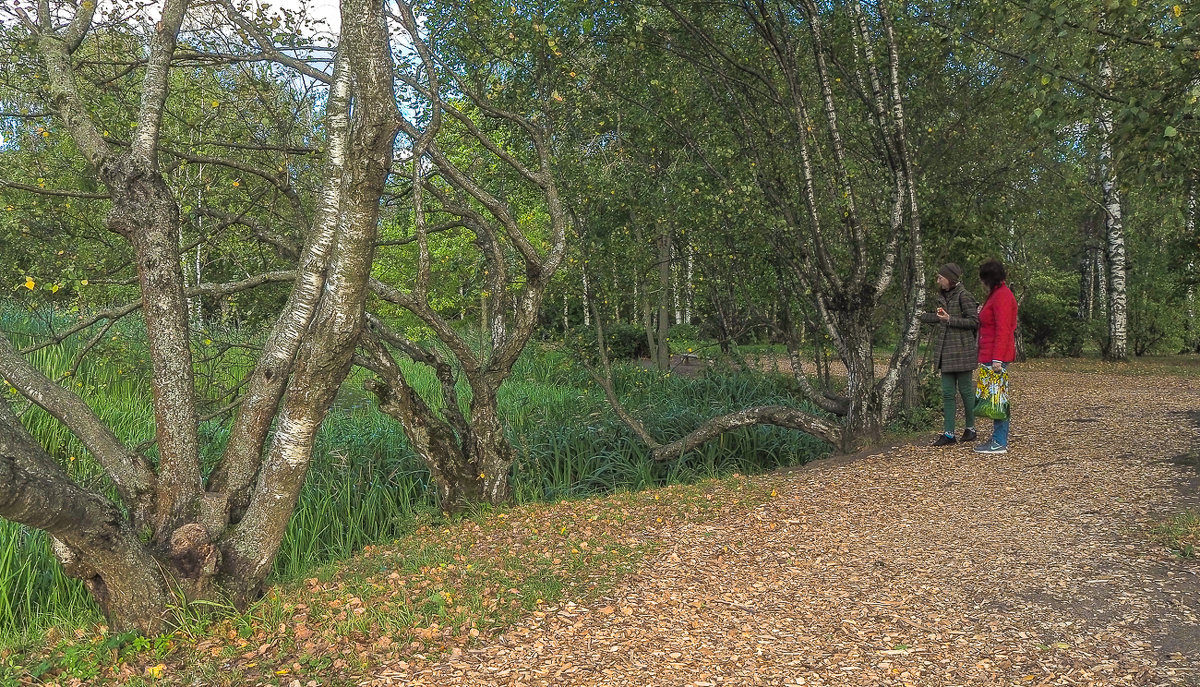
[998, 326]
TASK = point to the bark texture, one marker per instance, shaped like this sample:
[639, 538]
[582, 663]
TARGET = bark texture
[1118, 317]
[463, 444]
[176, 534]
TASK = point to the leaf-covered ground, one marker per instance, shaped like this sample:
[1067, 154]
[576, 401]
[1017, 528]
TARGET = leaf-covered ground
[912, 565]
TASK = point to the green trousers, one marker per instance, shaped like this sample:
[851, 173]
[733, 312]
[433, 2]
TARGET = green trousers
[963, 384]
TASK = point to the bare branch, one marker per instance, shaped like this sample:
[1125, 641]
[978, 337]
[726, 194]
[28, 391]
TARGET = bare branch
[268, 46]
[4, 183]
[605, 377]
[279, 180]
[435, 229]
[457, 345]
[208, 289]
[285, 246]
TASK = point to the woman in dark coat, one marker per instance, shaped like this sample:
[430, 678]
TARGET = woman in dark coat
[997, 339]
[954, 349]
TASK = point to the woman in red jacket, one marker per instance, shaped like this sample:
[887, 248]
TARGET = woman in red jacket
[997, 339]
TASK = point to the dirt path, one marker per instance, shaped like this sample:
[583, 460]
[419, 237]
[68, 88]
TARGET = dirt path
[920, 566]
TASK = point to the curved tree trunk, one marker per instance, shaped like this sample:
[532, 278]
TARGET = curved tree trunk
[93, 540]
[468, 459]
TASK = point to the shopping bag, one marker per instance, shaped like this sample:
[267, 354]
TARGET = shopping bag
[991, 394]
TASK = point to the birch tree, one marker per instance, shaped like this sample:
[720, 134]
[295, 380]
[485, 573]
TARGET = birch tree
[813, 95]
[1118, 319]
[170, 529]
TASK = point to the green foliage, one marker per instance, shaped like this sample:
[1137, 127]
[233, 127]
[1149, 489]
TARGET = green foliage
[625, 341]
[684, 331]
[926, 408]
[1049, 321]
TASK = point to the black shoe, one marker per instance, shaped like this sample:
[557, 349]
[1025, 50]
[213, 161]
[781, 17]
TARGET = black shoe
[968, 435]
[943, 440]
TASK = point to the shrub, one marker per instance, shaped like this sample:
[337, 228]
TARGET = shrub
[1049, 317]
[625, 341]
[688, 332]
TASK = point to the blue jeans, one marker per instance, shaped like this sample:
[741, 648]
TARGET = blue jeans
[1000, 432]
[1000, 427]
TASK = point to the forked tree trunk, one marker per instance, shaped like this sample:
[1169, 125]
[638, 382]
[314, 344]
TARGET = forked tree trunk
[175, 534]
[467, 466]
[466, 450]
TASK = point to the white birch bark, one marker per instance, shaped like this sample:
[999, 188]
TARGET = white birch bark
[1189, 227]
[587, 313]
[616, 303]
[689, 290]
[1118, 334]
[675, 286]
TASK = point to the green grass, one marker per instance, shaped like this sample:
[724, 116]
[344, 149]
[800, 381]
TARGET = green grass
[365, 486]
[1180, 533]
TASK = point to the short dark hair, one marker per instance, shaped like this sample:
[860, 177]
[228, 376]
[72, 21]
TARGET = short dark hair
[992, 273]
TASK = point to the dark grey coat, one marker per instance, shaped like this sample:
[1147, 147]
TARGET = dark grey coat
[955, 343]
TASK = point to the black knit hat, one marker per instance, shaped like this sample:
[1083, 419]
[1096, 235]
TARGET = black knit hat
[951, 271]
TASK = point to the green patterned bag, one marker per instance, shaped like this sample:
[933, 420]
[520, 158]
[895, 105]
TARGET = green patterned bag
[991, 394]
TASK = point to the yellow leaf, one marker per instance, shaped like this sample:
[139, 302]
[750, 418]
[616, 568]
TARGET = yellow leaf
[216, 103]
[30, 283]
[54, 289]
[1177, 10]
[155, 671]
[83, 282]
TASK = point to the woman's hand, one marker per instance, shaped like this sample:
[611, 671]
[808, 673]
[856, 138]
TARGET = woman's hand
[997, 366]
[943, 315]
